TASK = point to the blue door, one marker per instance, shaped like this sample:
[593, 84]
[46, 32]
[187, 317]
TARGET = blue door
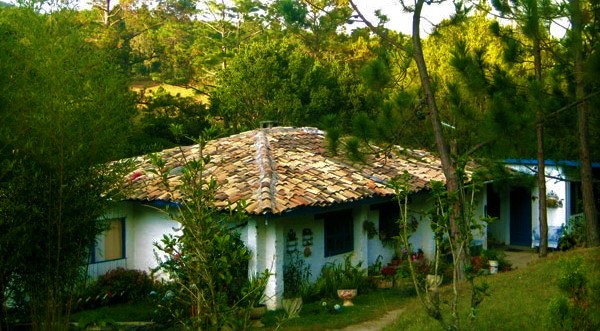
[520, 216]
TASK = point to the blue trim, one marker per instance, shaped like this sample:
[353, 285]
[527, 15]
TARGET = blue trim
[161, 203]
[312, 210]
[567, 163]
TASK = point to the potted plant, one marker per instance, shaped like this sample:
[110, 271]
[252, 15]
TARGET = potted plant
[254, 293]
[351, 279]
[296, 273]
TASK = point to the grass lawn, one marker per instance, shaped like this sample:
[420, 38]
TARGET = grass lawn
[139, 312]
[367, 307]
[518, 299]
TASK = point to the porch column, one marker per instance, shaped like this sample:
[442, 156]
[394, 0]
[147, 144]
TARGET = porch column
[252, 244]
[361, 240]
[273, 259]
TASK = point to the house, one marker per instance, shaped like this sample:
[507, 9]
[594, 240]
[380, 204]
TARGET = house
[516, 205]
[299, 197]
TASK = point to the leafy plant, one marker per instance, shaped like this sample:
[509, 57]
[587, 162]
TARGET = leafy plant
[207, 261]
[495, 255]
[344, 275]
[573, 234]
[574, 309]
[296, 274]
[116, 286]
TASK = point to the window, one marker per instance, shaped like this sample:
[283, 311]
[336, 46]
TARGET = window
[339, 232]
[388, 221]
[110, 245]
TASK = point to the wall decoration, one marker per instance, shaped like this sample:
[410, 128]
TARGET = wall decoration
[292, 241]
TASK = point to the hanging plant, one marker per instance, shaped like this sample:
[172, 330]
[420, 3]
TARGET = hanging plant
[369, 228]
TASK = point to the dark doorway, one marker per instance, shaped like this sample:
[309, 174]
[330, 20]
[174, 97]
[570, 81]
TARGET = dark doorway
[520, 216]
[492, 208]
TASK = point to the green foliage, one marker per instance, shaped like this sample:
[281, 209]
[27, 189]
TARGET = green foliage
[343, 275]
[574, 310]
[116, 286]
[65, 111]
[207, 261]
[160, 113]
[277, 81]
[296, 275]
[574, 233]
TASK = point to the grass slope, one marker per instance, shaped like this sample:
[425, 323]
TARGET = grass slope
[518, 299]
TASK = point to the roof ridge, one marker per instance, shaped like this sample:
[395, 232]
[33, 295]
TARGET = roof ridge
[267, 176]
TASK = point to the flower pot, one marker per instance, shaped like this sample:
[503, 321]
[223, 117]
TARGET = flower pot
[292, 306]
[256, 313]
[347, 295]
[493, 267]
[383, 282]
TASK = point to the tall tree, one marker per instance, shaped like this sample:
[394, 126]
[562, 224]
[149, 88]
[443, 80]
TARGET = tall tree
[277, 80]
[531, 17]
[589, 205]
[65, 109]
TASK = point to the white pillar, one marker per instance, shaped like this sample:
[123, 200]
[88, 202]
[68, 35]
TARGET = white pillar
[252, 244]
[273, 259]
[361, 240]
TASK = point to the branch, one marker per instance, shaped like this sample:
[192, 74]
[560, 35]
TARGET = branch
[375, 29]
[571, 105]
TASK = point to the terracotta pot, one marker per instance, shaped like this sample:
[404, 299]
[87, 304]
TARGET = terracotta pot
[258, 312]
[347, 295]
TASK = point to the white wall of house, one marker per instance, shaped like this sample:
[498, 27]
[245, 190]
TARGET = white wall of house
[267, 240]
[144, 225]
[557, 216]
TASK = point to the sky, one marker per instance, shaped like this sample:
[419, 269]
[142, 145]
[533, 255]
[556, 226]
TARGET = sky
[401, 21]
[398, 19]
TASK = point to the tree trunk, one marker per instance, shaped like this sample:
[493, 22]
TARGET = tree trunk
[589, 203]
[448, 167]
[542, 189]
[542, 208]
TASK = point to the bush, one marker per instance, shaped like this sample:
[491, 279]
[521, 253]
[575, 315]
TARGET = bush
[573, 310]
[116, 286]
[573, 234]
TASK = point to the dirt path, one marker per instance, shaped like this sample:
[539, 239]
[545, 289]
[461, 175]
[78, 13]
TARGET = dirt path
[378, 324]
[521, 258]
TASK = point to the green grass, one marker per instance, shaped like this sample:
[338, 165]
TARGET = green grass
[136, 312]
[518, 299]
[151, 87]
[367, 307]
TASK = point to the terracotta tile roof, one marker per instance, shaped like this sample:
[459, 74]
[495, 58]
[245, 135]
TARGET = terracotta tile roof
[281, 169]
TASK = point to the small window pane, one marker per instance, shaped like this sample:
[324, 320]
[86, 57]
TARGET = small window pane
[339, 232]
[113, 242]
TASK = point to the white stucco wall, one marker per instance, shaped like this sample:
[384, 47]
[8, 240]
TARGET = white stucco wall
[555, 182]
[266, 239]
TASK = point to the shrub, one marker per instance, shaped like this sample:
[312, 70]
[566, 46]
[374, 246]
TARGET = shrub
[573, 234]
[116, 286]
[296, 274]
[573, 310]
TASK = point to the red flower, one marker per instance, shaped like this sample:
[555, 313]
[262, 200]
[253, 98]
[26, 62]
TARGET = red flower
[388, 271]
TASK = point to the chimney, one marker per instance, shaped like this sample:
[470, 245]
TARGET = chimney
[267, 124]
